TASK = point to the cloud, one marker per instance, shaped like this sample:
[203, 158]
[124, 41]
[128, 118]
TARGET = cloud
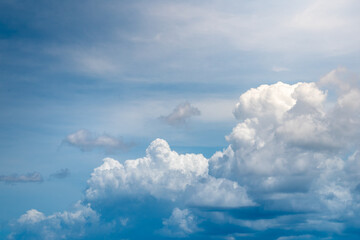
[296, 237]
[87, 141]
[16, 178]
[158, 185]
[36, 225]
[165, 174]
[279, 69]
[289, 171]
[180, 224]
[181, 114]
[291, 147]
[60, 174]
[296, 30]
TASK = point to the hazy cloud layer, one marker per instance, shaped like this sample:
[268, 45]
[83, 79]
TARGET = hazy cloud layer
[290, 170]
[176, 35]
[181, 114]
[22, 178]
[87, 141]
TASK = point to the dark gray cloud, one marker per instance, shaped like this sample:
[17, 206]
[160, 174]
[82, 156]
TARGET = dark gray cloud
[181, 114]
[60, 174]
[22, 178]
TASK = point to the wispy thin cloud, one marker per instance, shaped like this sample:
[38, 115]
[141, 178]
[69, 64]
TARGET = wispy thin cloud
[22, 178]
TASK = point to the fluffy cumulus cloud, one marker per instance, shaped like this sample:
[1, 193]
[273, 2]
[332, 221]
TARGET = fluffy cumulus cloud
[87, 141]
[180, 224]
[290, 171]
[167, 175]
[65, 225]
[22, 178]
[294, 149]
[181, 114]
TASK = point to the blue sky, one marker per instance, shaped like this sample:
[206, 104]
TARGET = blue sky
[166, 119]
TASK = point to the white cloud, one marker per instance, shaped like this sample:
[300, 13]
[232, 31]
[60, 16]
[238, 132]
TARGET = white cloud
[87, 141]
[165, 174]
[275, 118]
[181, 114]
[219, 192]
[181, 223]
[31, 216]
[290, 146]
[267, 101]
[64, 225]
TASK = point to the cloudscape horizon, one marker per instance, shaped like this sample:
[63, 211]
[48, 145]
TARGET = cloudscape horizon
[180, 120]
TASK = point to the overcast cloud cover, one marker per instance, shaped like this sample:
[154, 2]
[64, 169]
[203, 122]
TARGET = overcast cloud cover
[180, 120]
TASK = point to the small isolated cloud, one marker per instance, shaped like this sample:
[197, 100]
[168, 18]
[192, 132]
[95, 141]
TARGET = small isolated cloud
[61, 174]
[279, 69]
[16, 178]
[181, 114]
[87, 141]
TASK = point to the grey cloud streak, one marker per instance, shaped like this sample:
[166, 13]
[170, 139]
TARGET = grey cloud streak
[22, 178]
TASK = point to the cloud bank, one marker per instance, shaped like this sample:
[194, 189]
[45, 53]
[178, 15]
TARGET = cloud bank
[290, 171]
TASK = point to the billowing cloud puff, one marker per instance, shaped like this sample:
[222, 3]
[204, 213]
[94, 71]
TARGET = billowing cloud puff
[87, 141]
[266, 101]
[165, 174]
[181, 114]
[277, 118]
[65, 225]
[291, 150]
[180, 224]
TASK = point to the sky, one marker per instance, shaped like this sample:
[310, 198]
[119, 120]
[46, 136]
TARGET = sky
[180, 119]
